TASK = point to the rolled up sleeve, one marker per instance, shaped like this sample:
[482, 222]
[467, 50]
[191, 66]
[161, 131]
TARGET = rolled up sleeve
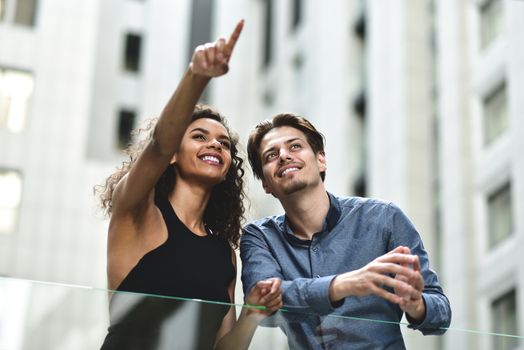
[438, 309]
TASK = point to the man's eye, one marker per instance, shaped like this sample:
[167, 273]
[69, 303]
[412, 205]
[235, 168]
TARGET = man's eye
[271, 156]
[295, 146]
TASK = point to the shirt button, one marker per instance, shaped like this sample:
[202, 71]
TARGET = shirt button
[315, 249]
[317, 276]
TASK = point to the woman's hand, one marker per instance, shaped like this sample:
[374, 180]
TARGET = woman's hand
[212, 59]
[265, 293]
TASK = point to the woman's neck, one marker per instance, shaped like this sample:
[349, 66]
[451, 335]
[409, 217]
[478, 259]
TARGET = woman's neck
[189, 202]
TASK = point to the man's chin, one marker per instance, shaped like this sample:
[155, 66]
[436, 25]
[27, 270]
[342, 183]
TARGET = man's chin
[293, 188]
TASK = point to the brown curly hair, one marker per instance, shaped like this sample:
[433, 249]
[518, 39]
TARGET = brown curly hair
[224, 213]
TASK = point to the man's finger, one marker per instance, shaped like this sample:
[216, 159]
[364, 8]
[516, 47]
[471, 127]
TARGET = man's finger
[392, 269]
[416, 263]
[399, 249]
[384, 294]
[398, 258]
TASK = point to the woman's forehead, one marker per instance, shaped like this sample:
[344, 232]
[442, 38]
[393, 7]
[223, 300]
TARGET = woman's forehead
[208, 124]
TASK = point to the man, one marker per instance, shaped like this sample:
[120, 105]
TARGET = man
[350, 267]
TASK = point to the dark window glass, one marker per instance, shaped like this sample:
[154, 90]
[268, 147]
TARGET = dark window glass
[132, 52]
[495, 114]
[297, 13]
[201, 26]
[268, 34]
[2, 9]
[504, 318]
[25, 12]
[500, 215]
[126, 124]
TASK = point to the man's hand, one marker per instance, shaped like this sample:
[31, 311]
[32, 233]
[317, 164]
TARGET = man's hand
[212, 59]
[412, 302]
[265, 293]
[370, 279]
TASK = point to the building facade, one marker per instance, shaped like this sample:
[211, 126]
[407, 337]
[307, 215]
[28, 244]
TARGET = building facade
[419, 101]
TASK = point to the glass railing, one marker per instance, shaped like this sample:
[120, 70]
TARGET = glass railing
[42, 315]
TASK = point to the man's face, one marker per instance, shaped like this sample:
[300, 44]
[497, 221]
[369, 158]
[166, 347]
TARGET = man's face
[288, 162]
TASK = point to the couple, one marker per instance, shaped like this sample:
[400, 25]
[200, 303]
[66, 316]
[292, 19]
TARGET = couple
[176, 210]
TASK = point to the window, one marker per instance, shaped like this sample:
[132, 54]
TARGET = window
[495, 114]
[490, 21]
[268, 34]
[11, 189]
[296, 13]
[201, 24]
[2, 10]
[504, 318]
[126, 124]
[16, 88]
[202, 14]
[132, 52]
[22, 12]
[25, 12]
[500, 215]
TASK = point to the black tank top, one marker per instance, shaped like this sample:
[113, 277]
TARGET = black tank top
[184, 266]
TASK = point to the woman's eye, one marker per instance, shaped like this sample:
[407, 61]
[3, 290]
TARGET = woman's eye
[199, 137]
[226, 144]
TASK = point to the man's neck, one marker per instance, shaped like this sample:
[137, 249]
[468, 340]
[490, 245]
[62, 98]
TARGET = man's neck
[306, 211]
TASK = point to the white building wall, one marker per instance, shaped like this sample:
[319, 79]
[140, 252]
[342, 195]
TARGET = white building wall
[457, 247]
[75, 54]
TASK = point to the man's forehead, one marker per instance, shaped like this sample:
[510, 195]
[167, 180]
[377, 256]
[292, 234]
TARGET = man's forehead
[281, 134]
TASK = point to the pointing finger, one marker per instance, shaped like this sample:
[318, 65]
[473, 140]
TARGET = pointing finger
[231, 42]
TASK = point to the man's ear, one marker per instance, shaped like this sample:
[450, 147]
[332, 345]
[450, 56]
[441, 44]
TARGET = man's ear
[321, 161]
[266, 187]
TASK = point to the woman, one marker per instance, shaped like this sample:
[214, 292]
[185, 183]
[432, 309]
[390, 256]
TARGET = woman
[176, 210]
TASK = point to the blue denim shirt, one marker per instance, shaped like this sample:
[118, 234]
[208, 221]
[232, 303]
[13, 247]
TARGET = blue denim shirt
[355, 232]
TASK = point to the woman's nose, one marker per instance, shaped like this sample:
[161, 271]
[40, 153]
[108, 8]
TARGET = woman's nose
[214, 143]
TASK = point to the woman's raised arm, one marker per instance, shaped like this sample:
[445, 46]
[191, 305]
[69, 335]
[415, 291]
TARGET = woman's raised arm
[208, 61]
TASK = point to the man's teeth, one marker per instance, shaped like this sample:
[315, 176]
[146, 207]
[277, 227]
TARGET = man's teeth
[211, 159]
[288, 170]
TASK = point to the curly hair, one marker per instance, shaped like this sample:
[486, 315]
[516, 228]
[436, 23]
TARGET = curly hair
[224, 213]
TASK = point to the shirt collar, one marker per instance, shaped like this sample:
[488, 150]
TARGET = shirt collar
[332, 217]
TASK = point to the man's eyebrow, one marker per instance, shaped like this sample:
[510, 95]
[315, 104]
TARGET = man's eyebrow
[272, 148]
[294, 139]
[291, 140]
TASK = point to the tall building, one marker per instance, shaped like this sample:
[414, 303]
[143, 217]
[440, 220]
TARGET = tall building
[419, 102]
[418, 99]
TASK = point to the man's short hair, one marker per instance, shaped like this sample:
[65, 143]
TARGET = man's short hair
[313, 136]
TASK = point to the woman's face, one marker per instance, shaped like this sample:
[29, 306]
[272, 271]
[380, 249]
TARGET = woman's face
[205, 152]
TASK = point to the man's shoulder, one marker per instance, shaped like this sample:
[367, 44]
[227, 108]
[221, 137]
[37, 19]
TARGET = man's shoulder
[267, 224]
[362, 203]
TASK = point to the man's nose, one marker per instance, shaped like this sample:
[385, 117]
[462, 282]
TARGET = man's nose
[284, 156]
